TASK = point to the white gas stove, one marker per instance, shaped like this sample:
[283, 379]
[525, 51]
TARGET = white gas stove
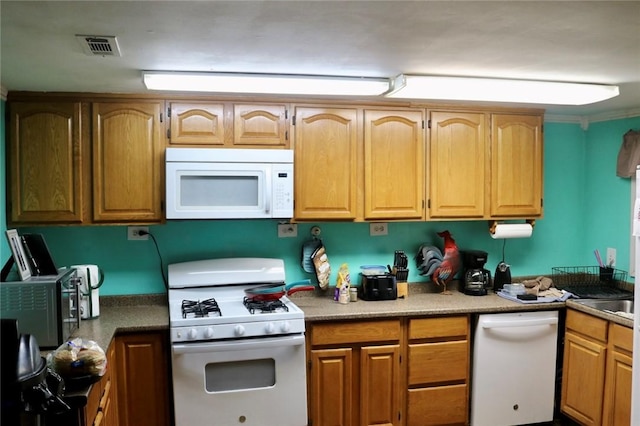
[207, 300]
[234, 362]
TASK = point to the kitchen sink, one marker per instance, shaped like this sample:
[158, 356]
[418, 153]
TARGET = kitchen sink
[625, 306]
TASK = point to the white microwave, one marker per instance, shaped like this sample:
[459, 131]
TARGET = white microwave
[219, 183]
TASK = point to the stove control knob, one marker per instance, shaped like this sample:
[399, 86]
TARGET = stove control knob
[208, 333]
[285, 327]
[239, 330]
[192, 334]
[270, 328]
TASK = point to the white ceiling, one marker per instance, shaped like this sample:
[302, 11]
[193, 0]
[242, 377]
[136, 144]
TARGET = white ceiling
[581, 41]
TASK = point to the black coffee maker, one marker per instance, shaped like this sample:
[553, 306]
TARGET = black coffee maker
[477, 280]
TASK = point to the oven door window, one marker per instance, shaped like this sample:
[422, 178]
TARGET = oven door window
[240, 375]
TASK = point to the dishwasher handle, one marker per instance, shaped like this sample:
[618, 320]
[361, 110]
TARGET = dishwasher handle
[519, 323]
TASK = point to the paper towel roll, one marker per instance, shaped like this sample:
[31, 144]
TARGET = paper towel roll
[512, 230]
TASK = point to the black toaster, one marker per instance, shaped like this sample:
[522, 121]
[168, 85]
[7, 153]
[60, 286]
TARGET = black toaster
[378, 287]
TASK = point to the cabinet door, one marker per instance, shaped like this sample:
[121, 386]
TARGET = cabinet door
[326, 163]
[516, 166]
[196, 123]
[380, 385]
[617, 390]
[48, 158]
[617, 404]
[458, 163]
[260, 125]
[143, 388]
[127, 162]
[583, 379]
[393, 164]
[330, 392]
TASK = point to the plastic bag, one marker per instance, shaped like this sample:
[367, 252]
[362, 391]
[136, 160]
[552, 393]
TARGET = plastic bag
[322, 267]
[343, 284]
[78, 358]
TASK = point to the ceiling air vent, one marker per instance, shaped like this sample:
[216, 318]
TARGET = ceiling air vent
[99, 45]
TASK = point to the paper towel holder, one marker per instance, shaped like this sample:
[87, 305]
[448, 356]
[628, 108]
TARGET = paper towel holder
[494, 223]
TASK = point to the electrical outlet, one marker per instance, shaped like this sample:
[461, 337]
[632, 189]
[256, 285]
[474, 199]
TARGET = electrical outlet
[377, 229]
[287, 230]
[611, 257]
[133, 232]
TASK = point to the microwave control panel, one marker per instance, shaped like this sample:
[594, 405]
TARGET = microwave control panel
[282, 180]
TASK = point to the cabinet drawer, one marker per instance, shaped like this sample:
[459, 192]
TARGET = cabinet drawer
[438, 362]
[437, 406]
[355, 332]
[432, 328]
[590, 326]
[621, 337]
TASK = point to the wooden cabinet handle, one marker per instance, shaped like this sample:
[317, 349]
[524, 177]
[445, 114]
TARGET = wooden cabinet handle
[105, 396]
[98, 419]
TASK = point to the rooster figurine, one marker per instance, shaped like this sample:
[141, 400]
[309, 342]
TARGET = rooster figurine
[441, 268]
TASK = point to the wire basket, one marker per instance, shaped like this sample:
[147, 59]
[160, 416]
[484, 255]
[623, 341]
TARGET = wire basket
[596, 276]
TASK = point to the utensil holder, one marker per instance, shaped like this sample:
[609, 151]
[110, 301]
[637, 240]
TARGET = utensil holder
[606, 274]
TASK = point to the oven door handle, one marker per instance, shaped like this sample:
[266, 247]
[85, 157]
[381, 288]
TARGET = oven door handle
[272, 342]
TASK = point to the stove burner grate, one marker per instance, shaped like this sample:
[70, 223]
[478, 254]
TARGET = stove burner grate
[264, 306]
[200, 308]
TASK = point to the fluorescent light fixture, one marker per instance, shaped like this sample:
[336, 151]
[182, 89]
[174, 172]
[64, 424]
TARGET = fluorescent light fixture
[498, 90]
[265, 83]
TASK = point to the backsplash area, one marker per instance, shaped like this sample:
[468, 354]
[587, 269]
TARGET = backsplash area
[133, 267]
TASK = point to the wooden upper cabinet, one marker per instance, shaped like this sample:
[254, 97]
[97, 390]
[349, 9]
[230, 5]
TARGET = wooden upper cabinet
[393, 164]
[228, 125]
[196, 124]
[127, 162]
[48, 159]
[458, 158]
[325, 157]
[260, 125]
[516, 165]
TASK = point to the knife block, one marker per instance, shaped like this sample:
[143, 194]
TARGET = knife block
[403, 290]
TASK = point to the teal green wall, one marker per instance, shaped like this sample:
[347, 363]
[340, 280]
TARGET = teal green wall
[607, 197]
[575, 162]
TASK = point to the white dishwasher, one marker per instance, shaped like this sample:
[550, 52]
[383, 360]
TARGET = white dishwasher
[514, 364]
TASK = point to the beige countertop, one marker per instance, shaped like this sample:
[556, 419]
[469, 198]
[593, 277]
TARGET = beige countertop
[124, 314]
[140, 313]
[123, 319]
[416, 304]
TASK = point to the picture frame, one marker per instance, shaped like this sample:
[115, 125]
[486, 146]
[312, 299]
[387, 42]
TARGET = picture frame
[19, 255]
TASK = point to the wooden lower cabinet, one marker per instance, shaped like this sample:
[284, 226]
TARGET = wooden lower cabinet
[596, 375]
[398, 372]
[438, 371]
[617, 387]
[143, 386]
[330, 378]
[354, 373]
